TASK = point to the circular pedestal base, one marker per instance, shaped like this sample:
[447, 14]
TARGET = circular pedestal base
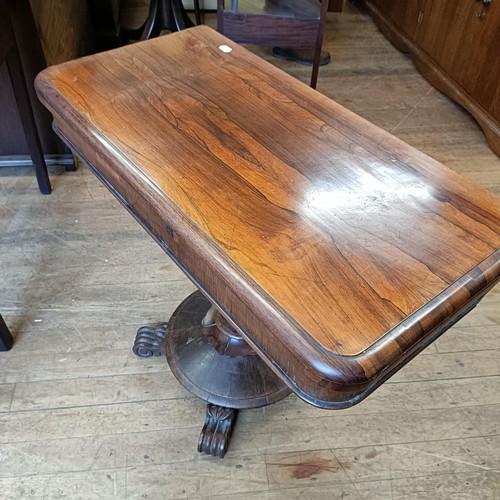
[229, 381]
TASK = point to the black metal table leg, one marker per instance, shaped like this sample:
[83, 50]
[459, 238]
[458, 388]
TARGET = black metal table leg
[163, 14]
[180, 19]
[25, 109]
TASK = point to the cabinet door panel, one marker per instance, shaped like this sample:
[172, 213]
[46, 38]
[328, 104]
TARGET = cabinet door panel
[478, 65]
[445, 29]
[463, 37]
[405, 14]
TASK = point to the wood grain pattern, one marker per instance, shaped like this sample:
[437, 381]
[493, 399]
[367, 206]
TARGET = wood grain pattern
[338, 250]
[465, 42]
[404, 14]
[64, 29]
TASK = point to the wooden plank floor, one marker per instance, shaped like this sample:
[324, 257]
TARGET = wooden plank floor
[82, 418]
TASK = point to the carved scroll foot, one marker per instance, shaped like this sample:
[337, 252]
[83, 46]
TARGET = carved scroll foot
[215, 435]
[149, 341]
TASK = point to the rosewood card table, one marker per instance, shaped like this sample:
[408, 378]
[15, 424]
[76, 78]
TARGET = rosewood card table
[327, 252]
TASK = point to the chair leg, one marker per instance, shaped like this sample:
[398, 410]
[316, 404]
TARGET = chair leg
[22, 96]
[319, 42]
[315, 67]
[74, 166]
[6, 340]
[197, 12]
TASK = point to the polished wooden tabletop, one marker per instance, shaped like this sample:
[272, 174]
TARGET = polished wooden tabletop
[337, 249]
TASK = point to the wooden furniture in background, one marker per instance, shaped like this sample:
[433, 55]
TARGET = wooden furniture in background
[115, 23]
[163, 15]
[335, 5]
[334, 250]
[6, 340]
[65, 29]
[50, 31]
[9, 54]
[456, 47]
[12, 140]
[294, 24]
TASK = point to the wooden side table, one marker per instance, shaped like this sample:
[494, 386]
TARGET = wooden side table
[111, 30]
[327, 252]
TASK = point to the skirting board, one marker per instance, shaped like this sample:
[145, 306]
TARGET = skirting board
[25, 160]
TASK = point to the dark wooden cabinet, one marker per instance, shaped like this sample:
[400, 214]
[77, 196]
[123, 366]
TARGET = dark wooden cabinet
[12, 138]
[473, 42]
[444, 28]
[456, 46]
[404, 14]
[47, 32]
[463, 37]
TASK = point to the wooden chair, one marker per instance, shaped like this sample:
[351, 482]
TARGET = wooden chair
[9, 54]
[294, 24]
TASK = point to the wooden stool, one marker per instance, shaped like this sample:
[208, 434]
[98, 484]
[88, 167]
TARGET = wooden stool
[327, 252]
